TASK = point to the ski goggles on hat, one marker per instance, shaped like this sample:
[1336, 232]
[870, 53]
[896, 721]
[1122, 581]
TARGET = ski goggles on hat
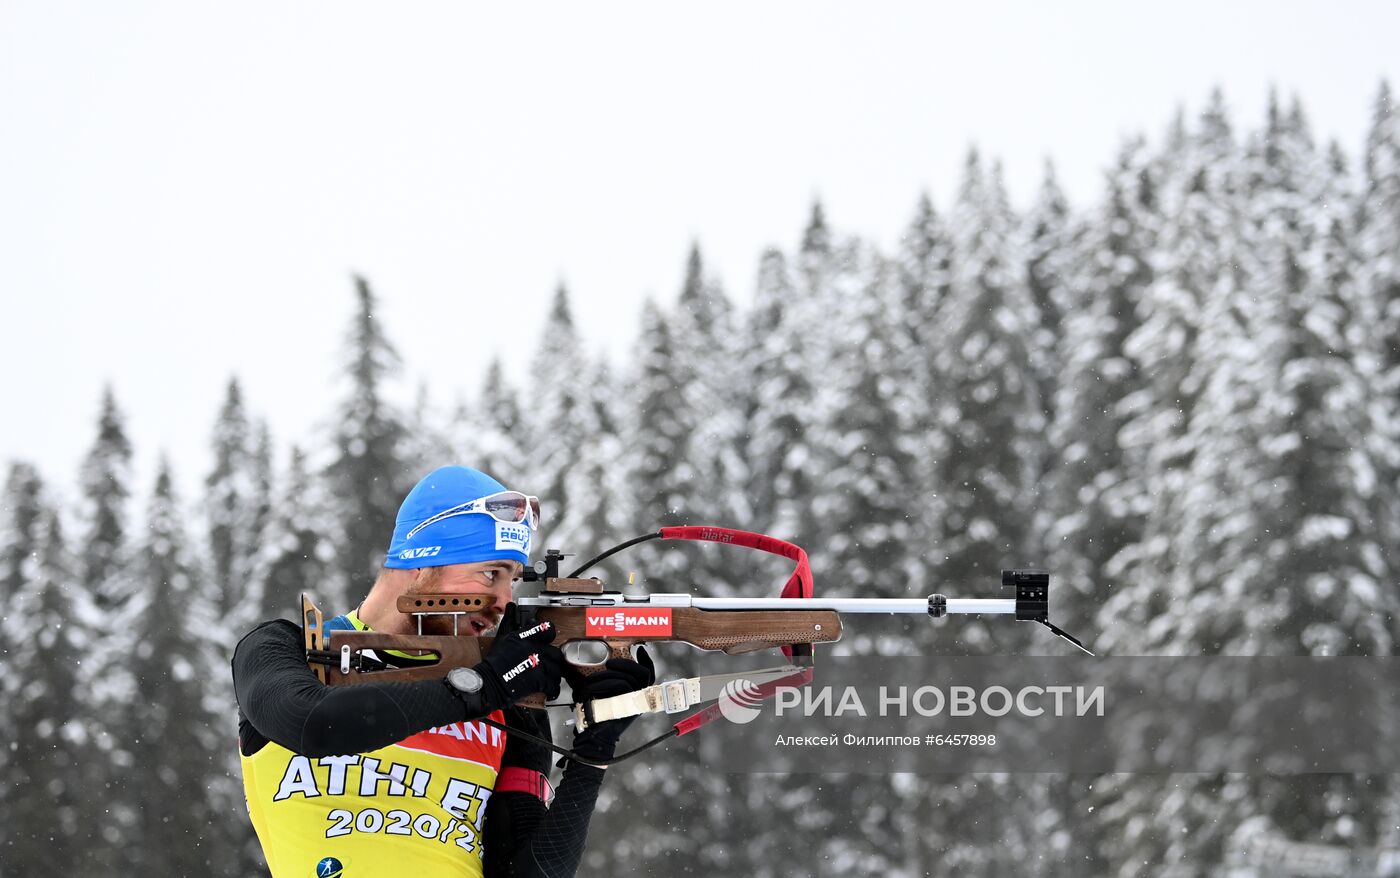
[507, 506]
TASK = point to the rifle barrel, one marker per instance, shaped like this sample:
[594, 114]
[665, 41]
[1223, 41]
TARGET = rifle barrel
[911, 606]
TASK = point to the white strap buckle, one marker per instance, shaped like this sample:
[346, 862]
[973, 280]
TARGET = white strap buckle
[675, 695]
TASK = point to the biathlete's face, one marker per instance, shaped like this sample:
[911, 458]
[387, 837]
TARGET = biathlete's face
[492, 577]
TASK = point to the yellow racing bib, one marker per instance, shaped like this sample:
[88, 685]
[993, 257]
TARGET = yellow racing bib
[413, 808]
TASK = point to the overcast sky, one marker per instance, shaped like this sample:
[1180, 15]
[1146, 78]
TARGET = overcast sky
[186, 188]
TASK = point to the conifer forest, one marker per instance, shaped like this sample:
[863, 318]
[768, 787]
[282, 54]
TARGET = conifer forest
[1183, 400]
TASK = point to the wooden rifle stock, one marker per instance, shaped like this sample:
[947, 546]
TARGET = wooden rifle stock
[338, 656]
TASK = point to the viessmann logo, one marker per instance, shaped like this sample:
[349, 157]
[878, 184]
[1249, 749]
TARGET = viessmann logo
[608, 622]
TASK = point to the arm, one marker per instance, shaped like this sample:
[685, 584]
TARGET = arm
[282, 701]
[523, 838]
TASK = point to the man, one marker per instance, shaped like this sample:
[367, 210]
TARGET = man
[385, 779]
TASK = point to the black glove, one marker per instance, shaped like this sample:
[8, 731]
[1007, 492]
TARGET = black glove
[599, 740]
[522, 660]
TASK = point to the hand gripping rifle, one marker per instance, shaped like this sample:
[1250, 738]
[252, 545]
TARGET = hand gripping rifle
[582, 610]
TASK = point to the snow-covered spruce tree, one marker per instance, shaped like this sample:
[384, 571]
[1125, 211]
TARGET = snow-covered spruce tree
[1088, 512]
[21, 511]
[19, 528]
[790, 394]
[367, 478]
[1316, 505]
[602, 474]
[572, 449]
[1188, 319]
[50, 800]
[237, 507]
[814, 267]
[1275, 372]
[658, 475]
[1379, 224]
[295, 555]
[1327, 508]
[558, 425]
[911, 311]
[837, 302]
[237, 502]
[1278, 546]
[923, 275]
[1086, 516]
[987, 420]
[1193, 266]
[488, 432]
[664, 480]
[923, 271]
[868, 499]
[775, 402]
[104, 564]
[777, 399]
[700, 356]
[988, 413]
[256, 605]
[264, 496]
[684, 423]
[707, 353]
[1297, 522]
[873, 543]
[183, 803]
[1049, 233]
[841, 301]
[1186, 308]
[811, 826]
[1378, 245]
[105, 481]
[427, 438]
[788, 362]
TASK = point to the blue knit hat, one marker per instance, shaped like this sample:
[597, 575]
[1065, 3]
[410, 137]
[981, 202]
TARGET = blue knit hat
[457, 537]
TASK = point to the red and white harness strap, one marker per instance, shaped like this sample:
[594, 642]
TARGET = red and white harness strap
[515, 779]
[673, 696]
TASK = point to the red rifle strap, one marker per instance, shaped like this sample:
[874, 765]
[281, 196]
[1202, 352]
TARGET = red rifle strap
[799, 585]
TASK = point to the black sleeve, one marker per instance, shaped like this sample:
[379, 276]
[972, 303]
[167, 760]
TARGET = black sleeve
[280, 699]
[524, 839]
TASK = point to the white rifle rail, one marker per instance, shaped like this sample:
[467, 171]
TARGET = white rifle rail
[909, 606]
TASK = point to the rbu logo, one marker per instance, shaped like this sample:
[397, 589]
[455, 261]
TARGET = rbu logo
[637, 623]
[513, 536]
[425, 552]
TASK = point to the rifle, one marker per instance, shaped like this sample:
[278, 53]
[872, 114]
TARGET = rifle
[583, 610]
